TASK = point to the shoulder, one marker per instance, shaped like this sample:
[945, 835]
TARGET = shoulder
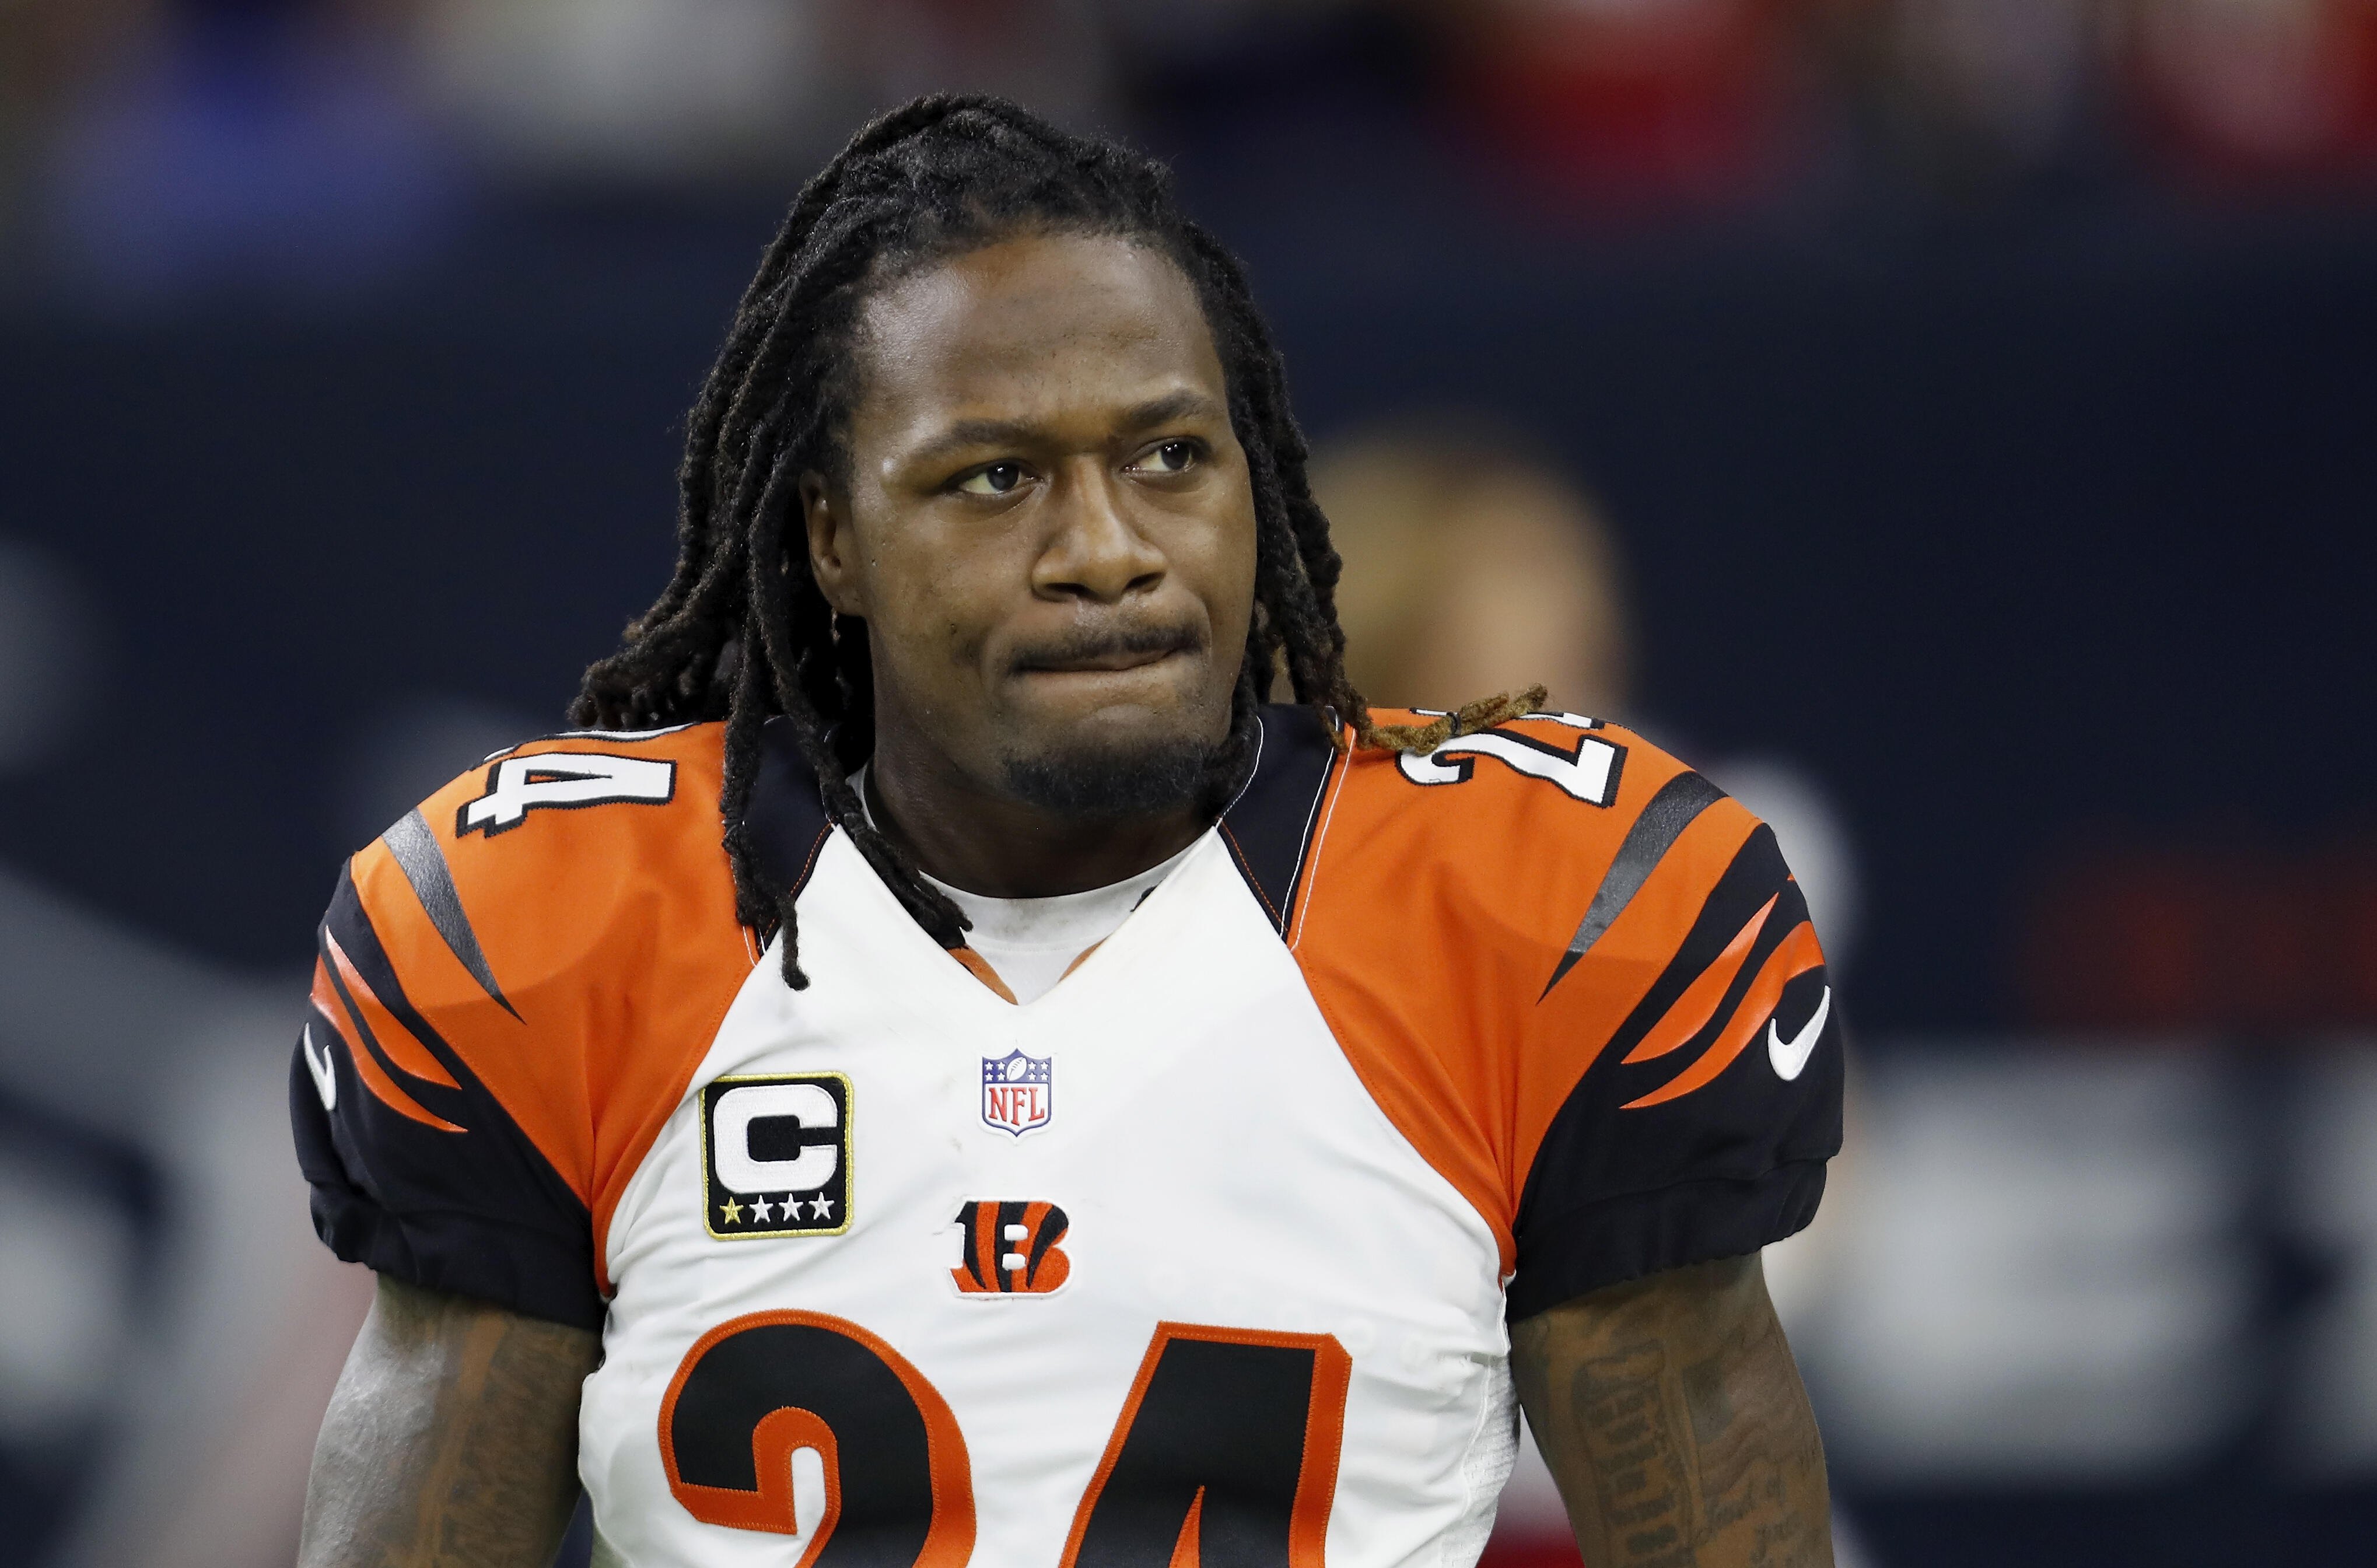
[554, 781]
[536, 861]
[1544, 947]
[1545, 829]
[513, 983]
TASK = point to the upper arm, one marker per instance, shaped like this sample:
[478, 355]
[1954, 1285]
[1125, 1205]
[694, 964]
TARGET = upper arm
[1672, 1416]
[451, 1439]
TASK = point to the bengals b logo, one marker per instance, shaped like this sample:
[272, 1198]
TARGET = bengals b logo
[1010, 1248]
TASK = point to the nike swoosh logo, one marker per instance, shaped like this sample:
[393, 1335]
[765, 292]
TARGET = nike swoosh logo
[1790, 1057]
[326, 1082]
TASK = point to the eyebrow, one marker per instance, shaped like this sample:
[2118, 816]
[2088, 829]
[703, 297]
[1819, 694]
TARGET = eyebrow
[1017, 432]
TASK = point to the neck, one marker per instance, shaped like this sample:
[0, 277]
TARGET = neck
[995, 845]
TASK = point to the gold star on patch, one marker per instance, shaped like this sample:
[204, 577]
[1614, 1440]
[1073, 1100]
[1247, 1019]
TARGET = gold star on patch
[732, 1210]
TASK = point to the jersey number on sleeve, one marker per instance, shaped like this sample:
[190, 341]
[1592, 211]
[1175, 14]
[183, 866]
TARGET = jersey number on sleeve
[808, 1426]
[517, 786]
[1587, 771]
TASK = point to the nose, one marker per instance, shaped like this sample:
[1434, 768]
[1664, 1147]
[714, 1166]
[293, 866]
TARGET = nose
[1093, 553]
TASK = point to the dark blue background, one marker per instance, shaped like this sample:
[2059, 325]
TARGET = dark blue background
[2006, 537]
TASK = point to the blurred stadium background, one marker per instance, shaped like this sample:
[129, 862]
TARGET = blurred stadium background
[1953, 420]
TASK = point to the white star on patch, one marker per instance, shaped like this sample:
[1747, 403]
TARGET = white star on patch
[821, 1207]
[764, 1209]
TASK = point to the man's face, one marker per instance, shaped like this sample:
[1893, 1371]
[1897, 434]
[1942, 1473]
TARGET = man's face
[1047, 526]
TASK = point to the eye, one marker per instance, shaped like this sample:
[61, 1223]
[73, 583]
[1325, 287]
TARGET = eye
[1170, 457]
[998, 479]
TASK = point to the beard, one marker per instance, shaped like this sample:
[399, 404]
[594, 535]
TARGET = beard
[1151, 779]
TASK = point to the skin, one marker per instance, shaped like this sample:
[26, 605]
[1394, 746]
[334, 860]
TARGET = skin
[1673, 1418]
[1047, 528]
[452, 1441]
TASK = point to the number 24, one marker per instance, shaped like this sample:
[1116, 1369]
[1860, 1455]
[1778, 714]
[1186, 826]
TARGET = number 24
[810, 1426]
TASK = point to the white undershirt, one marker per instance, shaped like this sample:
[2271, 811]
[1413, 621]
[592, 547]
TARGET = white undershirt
[1030, 942]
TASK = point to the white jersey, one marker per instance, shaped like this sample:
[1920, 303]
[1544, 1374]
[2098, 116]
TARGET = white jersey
[1205, 1255]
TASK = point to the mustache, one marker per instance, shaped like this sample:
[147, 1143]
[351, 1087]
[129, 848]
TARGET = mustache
[1093, 646]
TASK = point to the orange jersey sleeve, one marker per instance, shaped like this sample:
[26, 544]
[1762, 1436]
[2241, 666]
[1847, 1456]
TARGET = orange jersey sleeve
[512, 986]
[1583, 982]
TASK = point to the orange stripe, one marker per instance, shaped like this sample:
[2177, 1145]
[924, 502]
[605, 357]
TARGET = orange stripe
[1693, 1009]
[408, 1053]
[1324, 1435]
[1054, 1268]
[949, 1538]
[1793, 957]
[1324, 1442]
[367, 1067]
[979, 967]
[985, 1243]
[1186, 1551]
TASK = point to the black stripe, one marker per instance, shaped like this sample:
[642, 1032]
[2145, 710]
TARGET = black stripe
[1269, 825]
[969, 1219]
[424, 865]
[414, 1085]
[1052, 1230]
[473, 1104]
[356, 938]
[1680, 801]
[1791, 913]
[483, 1215]
[1756, 875]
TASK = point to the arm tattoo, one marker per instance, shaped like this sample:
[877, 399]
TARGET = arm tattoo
[452, 1441]
[1640, 1471]
[1672, 1415]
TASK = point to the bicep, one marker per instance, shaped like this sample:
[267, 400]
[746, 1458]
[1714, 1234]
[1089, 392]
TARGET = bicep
[451, 1438]
[1672, 1415]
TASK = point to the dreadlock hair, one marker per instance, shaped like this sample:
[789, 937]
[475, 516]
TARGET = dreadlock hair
[742, 631]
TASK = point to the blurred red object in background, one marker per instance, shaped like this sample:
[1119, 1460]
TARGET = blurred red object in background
[1634, 103]
[2205, 936]
[1530, 1552]
[2234, 92]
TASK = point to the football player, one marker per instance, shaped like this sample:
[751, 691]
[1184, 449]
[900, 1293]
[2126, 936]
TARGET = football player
[940, 1068]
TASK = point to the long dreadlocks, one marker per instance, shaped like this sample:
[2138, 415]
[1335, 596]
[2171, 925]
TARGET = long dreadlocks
[742, 633]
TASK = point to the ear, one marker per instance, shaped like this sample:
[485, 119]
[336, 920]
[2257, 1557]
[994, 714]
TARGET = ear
[833, 552]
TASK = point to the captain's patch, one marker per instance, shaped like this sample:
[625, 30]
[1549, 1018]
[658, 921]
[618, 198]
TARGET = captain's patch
[775, 1155]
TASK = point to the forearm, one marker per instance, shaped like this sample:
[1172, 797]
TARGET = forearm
[1677, 1437]
[452, 1441]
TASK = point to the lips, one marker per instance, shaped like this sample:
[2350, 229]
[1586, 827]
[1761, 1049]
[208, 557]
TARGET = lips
[1107, 653]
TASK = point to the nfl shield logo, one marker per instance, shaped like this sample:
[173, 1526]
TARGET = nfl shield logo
[1017, 1092]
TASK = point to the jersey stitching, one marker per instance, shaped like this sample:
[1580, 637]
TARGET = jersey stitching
[809, 866]
[1304, 840]
[1343, 770]
[1246, 870]
[1263, 738]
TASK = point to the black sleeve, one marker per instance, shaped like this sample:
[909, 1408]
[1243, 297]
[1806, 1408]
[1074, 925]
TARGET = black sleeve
[1627, 1183]
[443, 1192]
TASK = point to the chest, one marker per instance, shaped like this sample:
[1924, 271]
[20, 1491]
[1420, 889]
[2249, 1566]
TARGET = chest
[1160, 1187]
